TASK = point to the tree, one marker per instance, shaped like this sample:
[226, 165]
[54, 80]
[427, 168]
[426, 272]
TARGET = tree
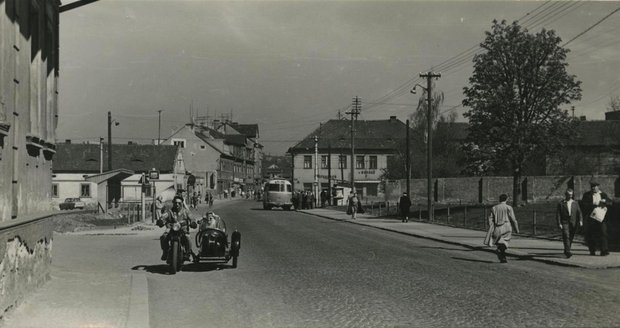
[516, 91]
[444, 151]
[614, 104]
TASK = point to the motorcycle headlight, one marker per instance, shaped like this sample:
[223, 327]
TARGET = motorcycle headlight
[176, 226]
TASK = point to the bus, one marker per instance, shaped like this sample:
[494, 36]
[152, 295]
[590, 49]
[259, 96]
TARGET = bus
[278, 193]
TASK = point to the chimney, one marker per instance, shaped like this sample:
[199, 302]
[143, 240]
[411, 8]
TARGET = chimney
[130, 142]
[68, 141]
[392, 118]
[582, 118]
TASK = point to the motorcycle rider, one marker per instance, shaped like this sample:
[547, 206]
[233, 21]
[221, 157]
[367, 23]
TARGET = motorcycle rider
[180, 214]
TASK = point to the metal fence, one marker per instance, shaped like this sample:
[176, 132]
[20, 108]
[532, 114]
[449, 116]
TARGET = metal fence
[535, 220]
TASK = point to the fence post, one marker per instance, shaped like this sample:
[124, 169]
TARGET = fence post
[448, 217]
[534, 222]
[379, 209]
[372, 207]
[485, 218]
[465, 217]
[387, 208]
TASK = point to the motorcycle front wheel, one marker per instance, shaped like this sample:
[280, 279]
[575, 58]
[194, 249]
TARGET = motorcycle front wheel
[174, 263]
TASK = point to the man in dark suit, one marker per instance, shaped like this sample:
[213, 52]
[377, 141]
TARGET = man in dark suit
[596, 232]
[568, 216]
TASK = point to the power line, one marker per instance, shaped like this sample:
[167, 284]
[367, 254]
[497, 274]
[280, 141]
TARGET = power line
[591, 27]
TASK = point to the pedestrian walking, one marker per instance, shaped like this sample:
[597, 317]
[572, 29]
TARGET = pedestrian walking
[323, 196]
[568, 216]
[352, 206]
[501, 222]
[595, 229]
[404, 203]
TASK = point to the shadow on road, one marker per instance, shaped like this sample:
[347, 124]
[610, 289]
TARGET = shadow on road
[189, 267]
[471, 260]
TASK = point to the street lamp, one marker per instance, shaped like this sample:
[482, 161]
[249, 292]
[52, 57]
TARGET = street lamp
[116, 123]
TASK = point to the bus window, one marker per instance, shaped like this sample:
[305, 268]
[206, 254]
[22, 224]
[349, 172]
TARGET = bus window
[289, 188]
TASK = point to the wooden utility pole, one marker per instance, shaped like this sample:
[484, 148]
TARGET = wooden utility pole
[408, 163]
[356, 108]
[429, 145]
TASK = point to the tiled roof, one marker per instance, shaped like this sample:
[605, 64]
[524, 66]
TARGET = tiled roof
[84, 158]
[235, 139]
[370, 135]
[249, 130]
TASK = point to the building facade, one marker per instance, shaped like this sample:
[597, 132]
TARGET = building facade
[77, 173]
[375, 141]
[28, 119]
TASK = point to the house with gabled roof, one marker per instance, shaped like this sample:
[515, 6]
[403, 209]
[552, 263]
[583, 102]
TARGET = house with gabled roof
[77, 172]
[220, 157]
[375, 141]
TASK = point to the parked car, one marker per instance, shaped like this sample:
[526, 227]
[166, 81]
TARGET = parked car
[71, 203]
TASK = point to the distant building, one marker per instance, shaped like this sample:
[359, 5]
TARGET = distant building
[375, 142]
[277, 167]
[220, 156]
[595, 149]
[77, 173]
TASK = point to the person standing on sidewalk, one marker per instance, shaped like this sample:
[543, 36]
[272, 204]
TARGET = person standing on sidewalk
[352, 206]
[568, 216]
[501, 222]
[404, 203]
[596, 231]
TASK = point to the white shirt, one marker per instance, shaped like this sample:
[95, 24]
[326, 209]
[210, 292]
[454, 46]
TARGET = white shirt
[569, 204]
[596, 198]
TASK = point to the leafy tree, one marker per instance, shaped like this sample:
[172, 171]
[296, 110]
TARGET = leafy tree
[517, 88]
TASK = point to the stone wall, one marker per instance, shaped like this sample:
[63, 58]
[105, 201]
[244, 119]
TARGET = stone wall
[25, 260]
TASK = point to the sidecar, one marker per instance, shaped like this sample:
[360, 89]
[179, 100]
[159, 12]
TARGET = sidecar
[213, 243]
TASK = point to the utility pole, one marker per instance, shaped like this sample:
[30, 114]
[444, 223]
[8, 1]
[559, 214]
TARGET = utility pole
[356, 108]
[329, 173]
[408, 163]
[316, 169]
[109, 141]
[100, 155]
[429, 145]
[159, 128]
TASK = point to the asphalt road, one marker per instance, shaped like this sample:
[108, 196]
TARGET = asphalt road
[297, 270]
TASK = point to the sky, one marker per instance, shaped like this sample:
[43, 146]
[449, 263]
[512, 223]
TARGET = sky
[290, 65]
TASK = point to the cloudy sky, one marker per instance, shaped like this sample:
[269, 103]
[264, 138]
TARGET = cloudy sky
[289, 65]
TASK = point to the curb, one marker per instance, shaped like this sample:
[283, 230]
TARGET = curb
[518, 254]
[138, 302]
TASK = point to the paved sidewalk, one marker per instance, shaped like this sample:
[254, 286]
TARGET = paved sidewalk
[77, 296]
[543, 250]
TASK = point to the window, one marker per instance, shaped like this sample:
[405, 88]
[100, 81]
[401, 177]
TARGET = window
[359, 162]
[342, 162]
[203, 147]
[85, 190]
[372, 162]
[307, 162]
[324, 161]
[179, 142]
[54, 190]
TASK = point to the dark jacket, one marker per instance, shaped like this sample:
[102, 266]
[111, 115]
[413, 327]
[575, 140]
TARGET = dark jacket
[404, 203]
[587, 204]
[562, 216]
